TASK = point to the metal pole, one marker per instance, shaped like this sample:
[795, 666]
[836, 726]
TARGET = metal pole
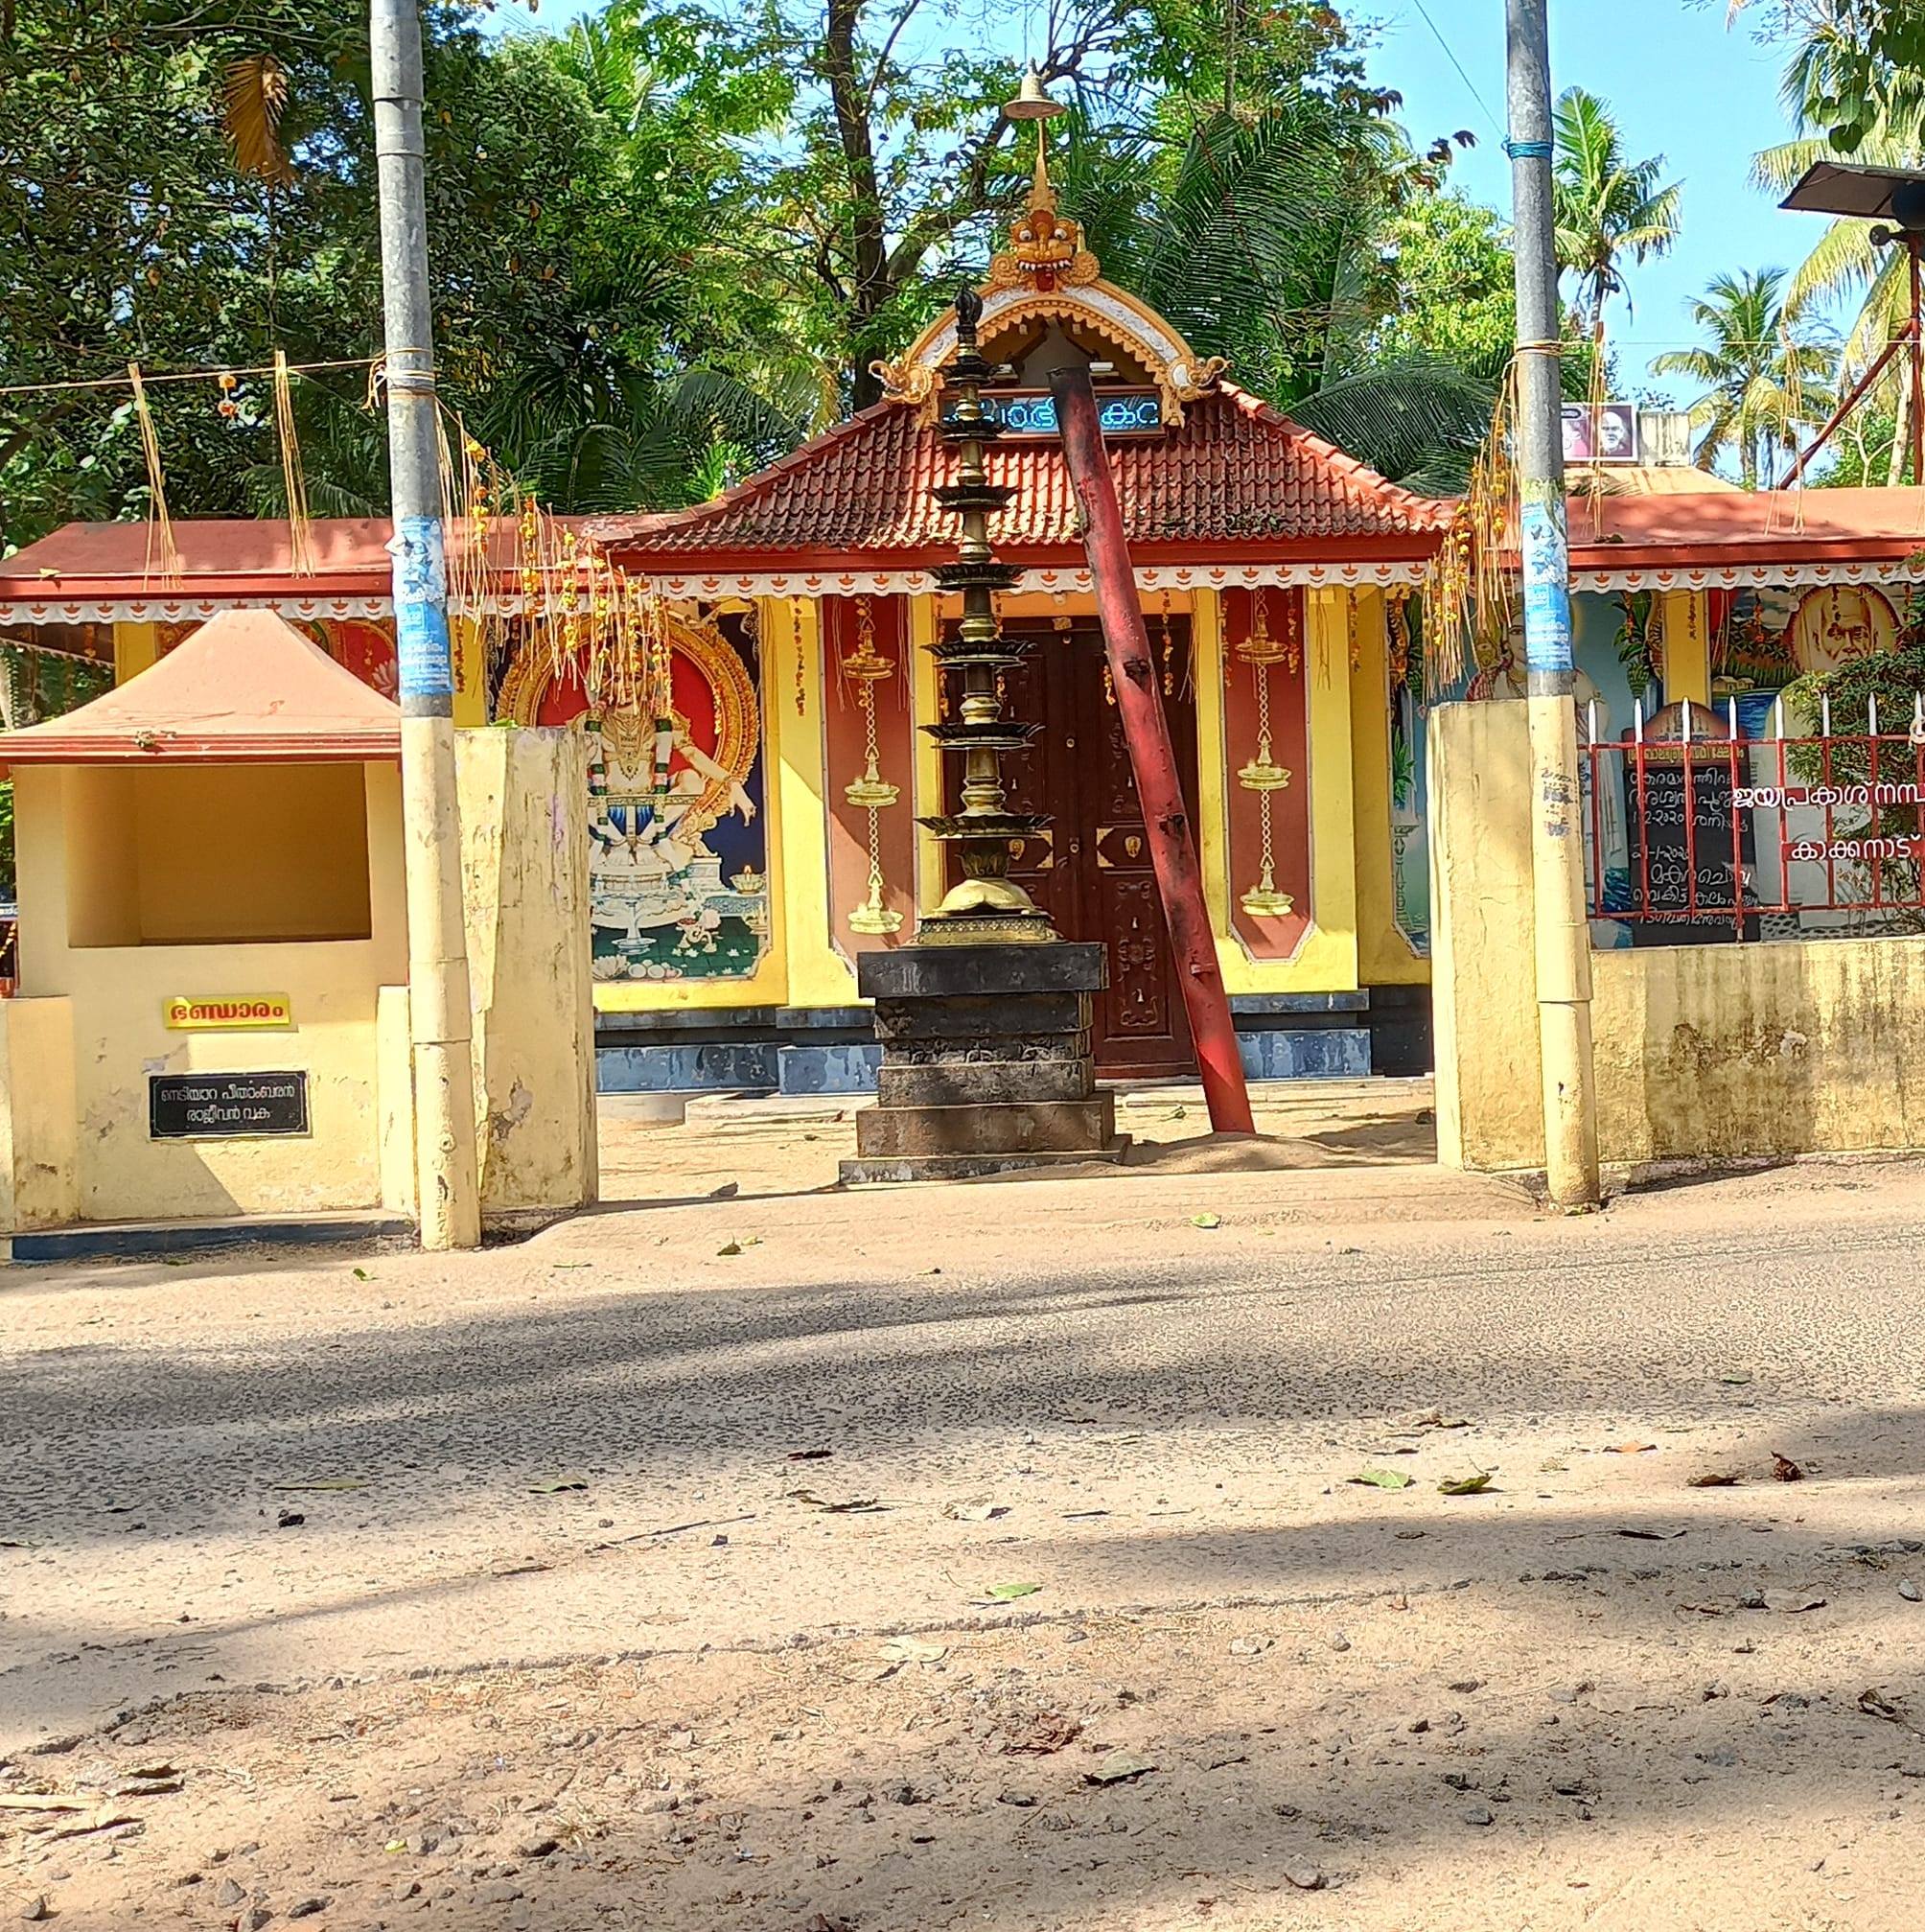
[447, 1177]
[1850, 403]
[1145, 729]
[1918, 326]
[1557, 857]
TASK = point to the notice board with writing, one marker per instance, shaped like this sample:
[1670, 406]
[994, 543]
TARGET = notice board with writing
[225, 1106]
[1683, 854]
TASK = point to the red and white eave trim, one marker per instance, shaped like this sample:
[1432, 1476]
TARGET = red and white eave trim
[704, 587]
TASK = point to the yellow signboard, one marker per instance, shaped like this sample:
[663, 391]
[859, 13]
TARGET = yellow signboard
[225, 1012]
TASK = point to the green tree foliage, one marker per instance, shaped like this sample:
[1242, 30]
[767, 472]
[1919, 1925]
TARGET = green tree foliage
[576, 186]
[1830, 54]
[1608, 208]
[668, 243]
[1856, 67]
[1766, 373]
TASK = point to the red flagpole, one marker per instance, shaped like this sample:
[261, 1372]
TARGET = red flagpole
[1139, 702]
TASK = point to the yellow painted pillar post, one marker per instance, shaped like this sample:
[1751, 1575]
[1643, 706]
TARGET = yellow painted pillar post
[1212, 827]
[818, 974]
[136, 649]
[469, 648]
[930, 881]
[1688, 646]
[1333, 799]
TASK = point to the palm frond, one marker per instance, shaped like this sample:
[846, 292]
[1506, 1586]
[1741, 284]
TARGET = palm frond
[254, 96]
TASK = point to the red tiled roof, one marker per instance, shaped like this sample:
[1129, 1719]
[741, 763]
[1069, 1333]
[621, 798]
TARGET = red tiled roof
[1744, 528]
[1233, 477]
[235, 558]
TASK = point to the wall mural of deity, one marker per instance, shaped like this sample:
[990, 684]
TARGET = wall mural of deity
[678, 871]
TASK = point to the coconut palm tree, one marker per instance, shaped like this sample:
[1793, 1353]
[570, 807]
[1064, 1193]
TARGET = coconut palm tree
[1766, 371]
[1843, 265]
[1828, 64]
[1608, 209]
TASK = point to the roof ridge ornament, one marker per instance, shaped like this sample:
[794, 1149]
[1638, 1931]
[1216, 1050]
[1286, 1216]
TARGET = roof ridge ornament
[1045, 248]
[1048, 274]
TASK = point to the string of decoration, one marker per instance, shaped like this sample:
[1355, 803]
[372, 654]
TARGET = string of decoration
[149, 379]
[159, 525]
[293, 485]
[866, 667]
[1467, 587]
[796, 616]
[1262, 775]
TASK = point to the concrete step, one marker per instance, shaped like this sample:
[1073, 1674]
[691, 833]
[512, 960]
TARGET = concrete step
[133, 1239]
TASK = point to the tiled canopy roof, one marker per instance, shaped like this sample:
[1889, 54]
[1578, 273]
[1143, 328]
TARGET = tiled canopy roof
[245, 687]
[1233, 475]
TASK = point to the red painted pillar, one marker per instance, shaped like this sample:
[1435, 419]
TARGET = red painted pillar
[1139, 700]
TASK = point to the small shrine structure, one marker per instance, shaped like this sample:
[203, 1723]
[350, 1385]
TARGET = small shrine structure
[211, 1020]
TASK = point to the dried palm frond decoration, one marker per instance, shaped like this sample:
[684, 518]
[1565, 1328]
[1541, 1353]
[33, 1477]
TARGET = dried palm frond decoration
[293, 485]
[1467, 594]
[595, 625]
[254, 98]
[161, 548]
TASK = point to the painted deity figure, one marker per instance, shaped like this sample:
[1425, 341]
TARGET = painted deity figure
[1840, 624]
[650, 866]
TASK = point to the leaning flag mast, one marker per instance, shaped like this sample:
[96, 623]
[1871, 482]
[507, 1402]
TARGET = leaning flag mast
[446, 1178]
[1557, 857]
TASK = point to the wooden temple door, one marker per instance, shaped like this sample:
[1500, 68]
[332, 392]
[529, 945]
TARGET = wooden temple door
[1092, 871]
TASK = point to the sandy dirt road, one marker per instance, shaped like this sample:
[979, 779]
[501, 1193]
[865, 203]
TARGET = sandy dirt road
[982, 1556]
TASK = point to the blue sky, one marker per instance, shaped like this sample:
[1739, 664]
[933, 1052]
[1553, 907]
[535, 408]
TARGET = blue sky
[1680, 86]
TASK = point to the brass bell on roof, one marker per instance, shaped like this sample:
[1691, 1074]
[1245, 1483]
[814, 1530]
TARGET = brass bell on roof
[1033, 103]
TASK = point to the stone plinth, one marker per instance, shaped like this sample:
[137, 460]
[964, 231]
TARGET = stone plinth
[986, 1063]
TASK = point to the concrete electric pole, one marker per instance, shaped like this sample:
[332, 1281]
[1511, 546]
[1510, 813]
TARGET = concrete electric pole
[446, 1176]
[1557, 855]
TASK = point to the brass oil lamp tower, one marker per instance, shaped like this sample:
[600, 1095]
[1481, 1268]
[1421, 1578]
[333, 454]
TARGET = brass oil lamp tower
[984, 906]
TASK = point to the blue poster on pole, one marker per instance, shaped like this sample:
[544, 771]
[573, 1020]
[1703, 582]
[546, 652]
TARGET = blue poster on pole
[421, 610]
[1547, 574]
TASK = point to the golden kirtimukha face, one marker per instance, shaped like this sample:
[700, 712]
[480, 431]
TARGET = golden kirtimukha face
[1044, 240]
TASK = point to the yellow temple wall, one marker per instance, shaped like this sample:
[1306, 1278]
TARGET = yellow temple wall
[1352, 940]
[1701, 1051]
[98, 1029]
[1384, 956]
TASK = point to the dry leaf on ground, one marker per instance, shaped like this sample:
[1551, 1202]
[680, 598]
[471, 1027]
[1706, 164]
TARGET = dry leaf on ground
[1382, 1479]
[1046, 1733]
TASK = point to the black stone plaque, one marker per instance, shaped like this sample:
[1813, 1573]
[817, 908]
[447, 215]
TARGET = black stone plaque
[1680, 835]
[225, 1106]
[1669, 850]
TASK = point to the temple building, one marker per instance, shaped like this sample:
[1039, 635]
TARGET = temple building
[1274, 573]
[749, 847]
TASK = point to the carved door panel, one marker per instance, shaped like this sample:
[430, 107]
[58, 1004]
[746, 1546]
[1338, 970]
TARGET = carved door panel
[1141, 1028]
[1092, 869]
